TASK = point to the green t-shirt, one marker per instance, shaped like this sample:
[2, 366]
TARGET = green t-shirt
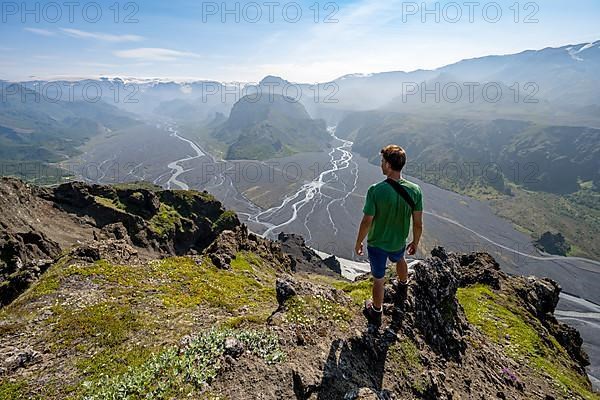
[392, 215]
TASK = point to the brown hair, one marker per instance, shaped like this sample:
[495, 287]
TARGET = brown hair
[395, 155]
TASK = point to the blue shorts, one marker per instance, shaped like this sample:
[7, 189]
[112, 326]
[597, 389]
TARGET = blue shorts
[378, 260]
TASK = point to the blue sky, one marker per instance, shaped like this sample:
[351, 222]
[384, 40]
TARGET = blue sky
[189, 40]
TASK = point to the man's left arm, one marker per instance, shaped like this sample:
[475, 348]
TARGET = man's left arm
[417, 225]
[363, 230]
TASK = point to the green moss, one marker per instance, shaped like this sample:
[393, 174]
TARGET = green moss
[406, 354]
[119, 333]
[406, 360]
[508, 325]
[104, 324]
[359, 291]
[125, 276]
[113, 361]
[137, 185]
[13, 390]
[227, 220]
[165, 220]
[189, 284]
[181, 282]
[110, 203]
[259, 318]
[179, 373]
[191, 196]
[48, 284]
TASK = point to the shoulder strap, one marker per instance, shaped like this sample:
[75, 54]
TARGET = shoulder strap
[402, 192]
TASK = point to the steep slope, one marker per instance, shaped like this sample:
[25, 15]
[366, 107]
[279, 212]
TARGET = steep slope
[36, 130]
[236, 322]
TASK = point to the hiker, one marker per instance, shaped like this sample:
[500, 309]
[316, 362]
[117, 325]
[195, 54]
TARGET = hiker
[387, 211]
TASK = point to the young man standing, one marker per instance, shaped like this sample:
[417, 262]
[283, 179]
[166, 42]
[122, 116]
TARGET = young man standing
[388, 209]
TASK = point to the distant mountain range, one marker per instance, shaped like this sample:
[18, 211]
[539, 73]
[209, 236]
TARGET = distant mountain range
[564, 81]
[548, 89]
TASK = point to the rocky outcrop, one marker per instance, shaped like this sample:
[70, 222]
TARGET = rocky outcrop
[166, 221]
[553, 244]
[305, 259]
[435, 307]
[539, 296]
[39, 223]
[23, 258]
[224, 248]
[451, 358]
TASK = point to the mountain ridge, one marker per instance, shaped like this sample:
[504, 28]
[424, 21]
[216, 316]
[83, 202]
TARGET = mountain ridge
[113, 317]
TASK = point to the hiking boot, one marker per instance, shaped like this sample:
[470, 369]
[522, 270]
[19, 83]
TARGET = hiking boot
[372, 316]
[401, 289]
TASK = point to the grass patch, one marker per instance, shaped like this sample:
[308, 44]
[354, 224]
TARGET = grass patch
[406, 359]
[506, 324]
[13, 390]
[110, 338]
[190, 196]
[176, 373]
[308, 310]
[103, 324]
[189, 284]
[113, 361]
[359, 291]
[247, 320]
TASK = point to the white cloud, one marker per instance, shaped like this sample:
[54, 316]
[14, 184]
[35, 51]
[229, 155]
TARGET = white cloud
[105, 37]
[42, 32]
[154, 54]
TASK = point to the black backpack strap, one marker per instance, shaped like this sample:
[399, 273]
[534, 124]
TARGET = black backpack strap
[402, 192]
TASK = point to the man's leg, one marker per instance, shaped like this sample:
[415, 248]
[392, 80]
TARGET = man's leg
[402, 270]
[378, 289]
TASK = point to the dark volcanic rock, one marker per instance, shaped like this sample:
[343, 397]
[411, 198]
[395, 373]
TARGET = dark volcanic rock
[284, 289]
[540, 297]
[434, 286]
[537, 295]
[23, 258]
[305, 259]
[333, 264]
[142, 202]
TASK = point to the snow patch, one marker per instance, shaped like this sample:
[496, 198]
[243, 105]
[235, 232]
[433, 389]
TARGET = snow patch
[574, 53]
